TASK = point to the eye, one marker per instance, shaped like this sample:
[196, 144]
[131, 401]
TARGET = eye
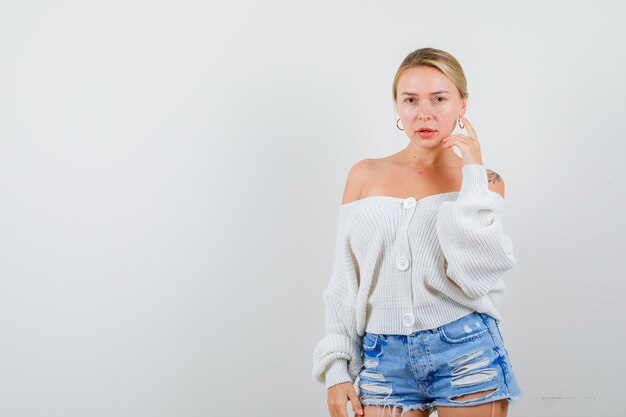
[442, 98]
[410, 98]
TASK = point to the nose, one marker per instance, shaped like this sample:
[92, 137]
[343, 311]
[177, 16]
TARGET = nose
[424, 111]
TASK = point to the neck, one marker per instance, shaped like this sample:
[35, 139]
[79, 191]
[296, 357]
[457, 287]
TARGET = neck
[439, 157]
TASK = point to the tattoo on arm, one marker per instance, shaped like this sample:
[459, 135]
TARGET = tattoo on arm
[493, 176]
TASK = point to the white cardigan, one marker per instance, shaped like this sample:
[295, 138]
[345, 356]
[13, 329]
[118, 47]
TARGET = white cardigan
[403, 265]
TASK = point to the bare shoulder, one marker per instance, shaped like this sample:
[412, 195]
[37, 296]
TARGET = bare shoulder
[357, 178]
[495, 182]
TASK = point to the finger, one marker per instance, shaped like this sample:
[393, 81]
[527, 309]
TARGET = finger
[470, 129]
[356, 404]
[455, 140]
[458, 138]
[449, 138]
[455, 136]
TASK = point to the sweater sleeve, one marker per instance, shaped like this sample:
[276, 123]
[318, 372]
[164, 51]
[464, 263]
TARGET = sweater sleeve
[337, 357]
[476, 250]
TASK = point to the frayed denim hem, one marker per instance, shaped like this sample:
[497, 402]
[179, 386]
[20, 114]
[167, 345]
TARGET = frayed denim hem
[515, 398]
[383, 403]
[480, 400]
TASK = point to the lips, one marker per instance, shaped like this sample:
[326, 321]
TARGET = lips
[426, 129]
[426, 133]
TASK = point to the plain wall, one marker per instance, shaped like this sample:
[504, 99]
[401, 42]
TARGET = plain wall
[171, 174]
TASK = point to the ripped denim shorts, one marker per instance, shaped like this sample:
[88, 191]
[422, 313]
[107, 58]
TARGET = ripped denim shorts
[432, 367]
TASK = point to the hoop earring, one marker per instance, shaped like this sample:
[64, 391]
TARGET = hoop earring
[397, 125]
[462, 126]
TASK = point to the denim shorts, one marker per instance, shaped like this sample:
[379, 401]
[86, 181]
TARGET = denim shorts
[430, 368]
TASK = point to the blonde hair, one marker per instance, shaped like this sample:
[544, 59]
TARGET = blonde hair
[435, 58]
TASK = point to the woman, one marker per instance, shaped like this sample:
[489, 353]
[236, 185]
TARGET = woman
[412, 302]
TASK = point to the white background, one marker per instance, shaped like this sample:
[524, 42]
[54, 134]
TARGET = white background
[171, 174]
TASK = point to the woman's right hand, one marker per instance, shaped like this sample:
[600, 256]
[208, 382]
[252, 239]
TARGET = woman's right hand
[339, 395]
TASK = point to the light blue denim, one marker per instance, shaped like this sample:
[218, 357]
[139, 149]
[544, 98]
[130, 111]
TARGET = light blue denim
[429, 368]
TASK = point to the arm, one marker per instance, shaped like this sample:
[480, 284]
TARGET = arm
[476, 250]
[337, 357]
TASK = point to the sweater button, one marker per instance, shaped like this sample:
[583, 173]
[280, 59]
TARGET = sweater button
[408, 320]
[402, 263]
[409, 202]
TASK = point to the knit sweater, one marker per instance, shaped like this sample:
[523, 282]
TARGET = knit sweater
[403, 265]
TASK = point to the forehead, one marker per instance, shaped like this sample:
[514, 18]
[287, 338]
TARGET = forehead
[423, 79]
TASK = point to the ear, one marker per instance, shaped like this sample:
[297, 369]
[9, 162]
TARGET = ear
[463, 108]
[495, 182]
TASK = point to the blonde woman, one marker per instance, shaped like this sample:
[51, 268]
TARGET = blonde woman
[413, 298]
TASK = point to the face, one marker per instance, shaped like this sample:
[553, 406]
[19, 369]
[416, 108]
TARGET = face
[427, 98]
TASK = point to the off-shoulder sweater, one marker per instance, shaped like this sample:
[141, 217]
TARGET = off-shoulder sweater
[402, 265]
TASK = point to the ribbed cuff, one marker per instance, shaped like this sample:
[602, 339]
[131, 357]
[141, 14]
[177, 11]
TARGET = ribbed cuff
[337, 373]
[474, 179]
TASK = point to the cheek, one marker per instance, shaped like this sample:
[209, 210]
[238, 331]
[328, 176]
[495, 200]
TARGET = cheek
[404, 109]
[448, 115]
[446, 109]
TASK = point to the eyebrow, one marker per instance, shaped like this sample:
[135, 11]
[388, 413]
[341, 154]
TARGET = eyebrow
[406, 93]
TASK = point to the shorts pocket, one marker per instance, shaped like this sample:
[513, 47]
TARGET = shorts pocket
[501, 338]
[370, 340]
[466, 328]
[499, 330]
